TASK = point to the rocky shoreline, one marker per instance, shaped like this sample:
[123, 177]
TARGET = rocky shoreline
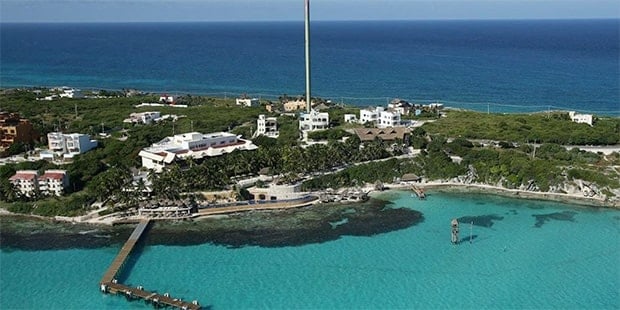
[569, 198]
[285, 226]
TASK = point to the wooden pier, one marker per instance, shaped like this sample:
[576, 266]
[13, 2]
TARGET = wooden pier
[121, 257]
[156, 299]
[109, 283]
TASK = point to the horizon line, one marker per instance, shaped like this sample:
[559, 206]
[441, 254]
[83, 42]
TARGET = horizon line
[319, 21]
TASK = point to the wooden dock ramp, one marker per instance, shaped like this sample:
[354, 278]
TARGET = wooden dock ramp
[123, 254]
[109, 283]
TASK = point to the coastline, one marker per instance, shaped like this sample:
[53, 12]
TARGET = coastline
[451, 187]
[455, 187]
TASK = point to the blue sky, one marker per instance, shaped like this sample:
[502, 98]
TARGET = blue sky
[260, 10]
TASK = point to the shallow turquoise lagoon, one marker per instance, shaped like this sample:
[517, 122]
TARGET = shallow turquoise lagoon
[522, 254]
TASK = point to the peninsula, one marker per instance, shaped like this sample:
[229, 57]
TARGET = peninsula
[186, 156]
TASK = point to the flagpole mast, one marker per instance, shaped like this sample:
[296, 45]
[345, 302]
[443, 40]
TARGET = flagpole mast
[307, 50]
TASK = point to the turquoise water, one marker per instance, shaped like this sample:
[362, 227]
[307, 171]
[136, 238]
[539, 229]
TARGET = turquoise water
[569, 261]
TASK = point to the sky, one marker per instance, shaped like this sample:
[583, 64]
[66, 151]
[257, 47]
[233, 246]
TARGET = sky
[292, 10]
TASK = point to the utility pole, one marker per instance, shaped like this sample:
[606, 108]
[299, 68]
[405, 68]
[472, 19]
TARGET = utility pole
[307, 51]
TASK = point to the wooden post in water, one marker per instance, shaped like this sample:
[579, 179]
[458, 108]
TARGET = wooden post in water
[455, 231]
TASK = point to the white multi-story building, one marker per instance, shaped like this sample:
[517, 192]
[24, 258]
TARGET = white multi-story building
[380, 117]
[313, 121]
[350, 118]
[69, 145]
[370, 115]
[401, 106]
[267, 126]
[254, 102]
[388, 119]
[25, 182]
[580, 118]
[54, 182]
[191, 145]
[143, 117]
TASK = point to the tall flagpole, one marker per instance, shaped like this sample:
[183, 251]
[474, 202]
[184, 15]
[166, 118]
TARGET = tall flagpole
[307, 50]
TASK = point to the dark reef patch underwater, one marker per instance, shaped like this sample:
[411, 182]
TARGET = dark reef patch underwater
[293, 227]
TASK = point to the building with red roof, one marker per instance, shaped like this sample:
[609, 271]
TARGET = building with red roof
[52, 182]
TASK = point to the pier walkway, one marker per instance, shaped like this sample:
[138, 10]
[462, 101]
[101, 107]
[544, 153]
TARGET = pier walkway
[109, 283]
[122, 255]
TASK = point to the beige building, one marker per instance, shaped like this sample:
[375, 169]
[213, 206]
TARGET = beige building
[298, 104]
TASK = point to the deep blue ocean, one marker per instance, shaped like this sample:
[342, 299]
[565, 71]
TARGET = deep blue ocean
[515, 65]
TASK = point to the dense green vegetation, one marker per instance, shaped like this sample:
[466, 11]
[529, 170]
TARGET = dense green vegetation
[101, 174]
[546, 168]
[555, 127]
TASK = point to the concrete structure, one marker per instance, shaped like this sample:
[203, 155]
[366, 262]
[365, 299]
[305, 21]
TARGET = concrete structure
[25, 182]
[370, 115]
[52, 182]
[69, 145]
[143, 117]
[580, 118]
[276, 192]
[401, 106]
[247, 102]
[313, 121]
[295, 105]
[380, 117]
[14, 129]
[350, 118]
[191, 145]
[267, 126]
[388, 119]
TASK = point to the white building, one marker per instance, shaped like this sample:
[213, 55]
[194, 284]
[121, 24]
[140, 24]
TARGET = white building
[25, 181]
[313, 121]
[67, 92]
[191, 145]
[380, 117]
[267, 126]
[69, 145]
[370, 115]
[54, 182]
[350, 118]
[580, 118]
[247, 102]
[143, 117]
[166, 99]
[388, 119]
[401, 106]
